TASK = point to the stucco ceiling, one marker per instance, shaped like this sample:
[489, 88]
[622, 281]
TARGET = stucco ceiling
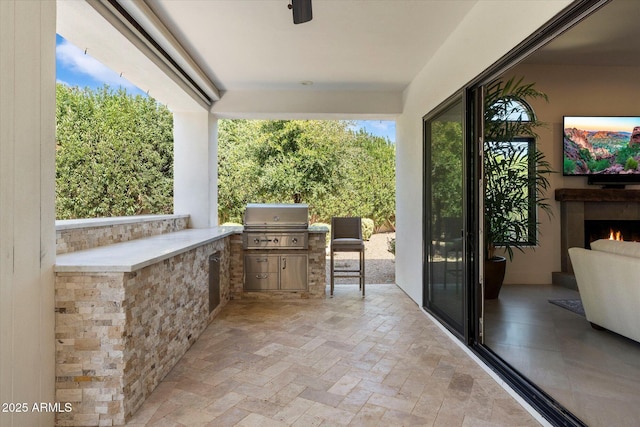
[349, 44]
[608, 37]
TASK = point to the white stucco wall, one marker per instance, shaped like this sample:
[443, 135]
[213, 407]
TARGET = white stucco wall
[490, 30]
[195, 181]
[27, 213]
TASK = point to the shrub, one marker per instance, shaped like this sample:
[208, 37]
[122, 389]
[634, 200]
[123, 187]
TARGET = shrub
[585, 154]
[328, 235]
[367, 228]
[114, 154]
[624, 153]
[391, 246]
[631, 164]
[325, 164]
[598, 165]
[569, 166]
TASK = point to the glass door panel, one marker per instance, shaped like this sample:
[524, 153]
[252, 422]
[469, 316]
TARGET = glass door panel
[444, 216]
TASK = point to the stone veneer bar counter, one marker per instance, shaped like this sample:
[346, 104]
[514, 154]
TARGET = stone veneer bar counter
[126, 313]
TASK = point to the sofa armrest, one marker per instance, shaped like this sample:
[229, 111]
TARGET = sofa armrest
[609, 288]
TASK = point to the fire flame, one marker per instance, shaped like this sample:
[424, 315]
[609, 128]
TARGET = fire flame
[615, 235]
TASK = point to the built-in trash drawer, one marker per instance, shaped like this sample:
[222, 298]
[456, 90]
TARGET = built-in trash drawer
[261, 281]
[261, 272]
[261, 263]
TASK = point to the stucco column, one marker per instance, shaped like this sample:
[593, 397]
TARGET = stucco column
[27, 212]
[195, 180]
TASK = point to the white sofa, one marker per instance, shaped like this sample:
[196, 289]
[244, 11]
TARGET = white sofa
[608, 278]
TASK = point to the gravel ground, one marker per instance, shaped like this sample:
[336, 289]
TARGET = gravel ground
[379, 265]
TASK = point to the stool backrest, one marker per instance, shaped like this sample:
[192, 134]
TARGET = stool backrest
[346, 228]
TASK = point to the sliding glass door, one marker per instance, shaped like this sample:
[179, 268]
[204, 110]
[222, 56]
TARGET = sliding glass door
[445, 245]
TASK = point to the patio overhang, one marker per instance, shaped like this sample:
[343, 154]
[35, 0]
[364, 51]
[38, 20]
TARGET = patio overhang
[247, 60]
[301, 104]
[129, 39]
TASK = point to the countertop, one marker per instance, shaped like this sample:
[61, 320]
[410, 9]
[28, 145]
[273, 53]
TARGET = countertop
[135, 254]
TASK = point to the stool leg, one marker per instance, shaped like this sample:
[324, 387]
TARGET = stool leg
[359, 270]
[362, 271]
[331, 272]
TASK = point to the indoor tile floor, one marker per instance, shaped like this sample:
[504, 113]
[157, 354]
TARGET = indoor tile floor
[338, 361]
[594, 374]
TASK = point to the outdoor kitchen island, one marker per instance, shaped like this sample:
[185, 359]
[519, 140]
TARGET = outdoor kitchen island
[130, 302]
[127, 312]
[278, 255]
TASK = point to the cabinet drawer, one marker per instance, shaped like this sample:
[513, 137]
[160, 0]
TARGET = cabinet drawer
[261, 263]
[256, 281]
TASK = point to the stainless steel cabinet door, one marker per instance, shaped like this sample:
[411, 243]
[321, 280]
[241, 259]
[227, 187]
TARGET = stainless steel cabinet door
[293, 272]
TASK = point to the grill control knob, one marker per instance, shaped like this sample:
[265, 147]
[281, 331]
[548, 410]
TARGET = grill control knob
[275, 240]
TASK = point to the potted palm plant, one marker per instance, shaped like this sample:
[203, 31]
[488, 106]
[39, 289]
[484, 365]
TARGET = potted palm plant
[515, 173]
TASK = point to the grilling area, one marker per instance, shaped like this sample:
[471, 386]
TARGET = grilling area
[133, 294]
[280, 255]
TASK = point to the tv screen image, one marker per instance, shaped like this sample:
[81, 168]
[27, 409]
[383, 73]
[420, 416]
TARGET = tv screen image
[602, 146]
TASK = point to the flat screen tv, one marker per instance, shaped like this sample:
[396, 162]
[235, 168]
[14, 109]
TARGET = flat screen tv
[605, 149]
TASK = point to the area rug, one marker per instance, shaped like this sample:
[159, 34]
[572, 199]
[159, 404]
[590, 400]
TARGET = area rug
[574, 305]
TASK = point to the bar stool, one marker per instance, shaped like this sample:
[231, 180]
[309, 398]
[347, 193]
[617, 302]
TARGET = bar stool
[346, 236]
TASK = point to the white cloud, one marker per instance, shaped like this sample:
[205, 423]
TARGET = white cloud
[77, 61]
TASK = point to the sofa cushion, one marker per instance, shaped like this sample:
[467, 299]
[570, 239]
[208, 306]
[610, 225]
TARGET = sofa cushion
[631, 249]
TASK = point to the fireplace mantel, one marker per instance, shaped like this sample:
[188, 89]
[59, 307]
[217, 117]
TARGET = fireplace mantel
[583, 204]
[597, 195]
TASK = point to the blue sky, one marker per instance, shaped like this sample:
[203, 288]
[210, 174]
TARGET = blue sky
[383, 128]
[74, 67]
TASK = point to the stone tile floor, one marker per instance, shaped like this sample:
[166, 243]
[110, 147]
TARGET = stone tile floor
[338, 361]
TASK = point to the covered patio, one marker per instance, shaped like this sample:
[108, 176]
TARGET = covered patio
[339, 361]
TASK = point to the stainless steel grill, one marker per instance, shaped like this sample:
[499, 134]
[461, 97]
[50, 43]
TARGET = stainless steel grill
[276, 226]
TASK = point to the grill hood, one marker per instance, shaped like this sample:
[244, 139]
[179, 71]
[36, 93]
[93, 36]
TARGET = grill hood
[292, 216]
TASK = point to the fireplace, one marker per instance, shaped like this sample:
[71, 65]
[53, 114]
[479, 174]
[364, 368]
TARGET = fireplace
[590, 214]
[627, 230]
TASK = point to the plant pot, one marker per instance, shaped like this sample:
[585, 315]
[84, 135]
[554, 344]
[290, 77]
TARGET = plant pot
[494, 270]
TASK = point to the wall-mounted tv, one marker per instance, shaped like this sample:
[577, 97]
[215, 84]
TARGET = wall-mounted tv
[606, 149]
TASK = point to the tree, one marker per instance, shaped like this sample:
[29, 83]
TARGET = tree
[321, 163]
[298, 160]
[238, 174]
[446, 166]
[114, 154]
